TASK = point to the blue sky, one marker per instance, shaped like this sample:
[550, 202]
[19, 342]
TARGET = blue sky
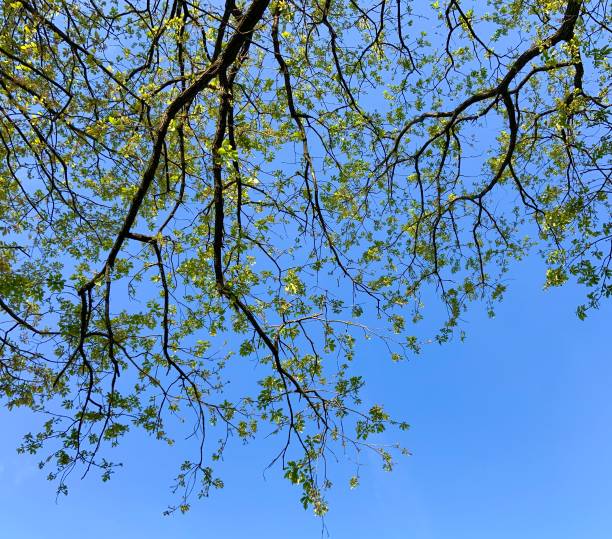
[510, 438]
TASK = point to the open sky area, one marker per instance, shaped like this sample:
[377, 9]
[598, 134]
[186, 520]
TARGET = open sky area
[510, 437]
[206, 207]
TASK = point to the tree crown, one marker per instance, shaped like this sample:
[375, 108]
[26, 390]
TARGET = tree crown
[184, 182]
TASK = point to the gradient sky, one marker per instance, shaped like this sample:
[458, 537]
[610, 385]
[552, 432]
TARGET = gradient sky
[511, 438]
[511, 435]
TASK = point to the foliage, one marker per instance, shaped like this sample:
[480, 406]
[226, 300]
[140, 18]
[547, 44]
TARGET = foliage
[188, 186]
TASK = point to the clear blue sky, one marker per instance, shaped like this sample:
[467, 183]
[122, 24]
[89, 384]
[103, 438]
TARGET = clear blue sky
[511, 438]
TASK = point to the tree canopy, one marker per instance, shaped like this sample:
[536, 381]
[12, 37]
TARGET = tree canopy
[195, 192]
